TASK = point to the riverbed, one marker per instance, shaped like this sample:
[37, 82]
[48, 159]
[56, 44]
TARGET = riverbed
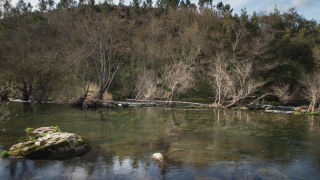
[201, 144]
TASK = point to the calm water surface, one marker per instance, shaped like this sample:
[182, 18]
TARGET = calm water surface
[197, 144]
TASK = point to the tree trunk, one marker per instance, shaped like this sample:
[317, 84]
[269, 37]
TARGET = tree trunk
[26, 93]
[4, 95]
[312, 105]
[172, 95]
[25, 96]
[267, 94]
[233, 103]
[100, 95]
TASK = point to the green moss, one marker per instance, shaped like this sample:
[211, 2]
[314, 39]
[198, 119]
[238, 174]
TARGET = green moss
[42, 135]
[5, 154]
[297, 112]
[113, 106]
[30, 138]
[29, 130]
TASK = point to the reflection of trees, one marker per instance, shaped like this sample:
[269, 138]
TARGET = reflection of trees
[197, 137]
[27, 108]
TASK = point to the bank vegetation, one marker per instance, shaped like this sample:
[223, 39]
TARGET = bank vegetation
[173, 50]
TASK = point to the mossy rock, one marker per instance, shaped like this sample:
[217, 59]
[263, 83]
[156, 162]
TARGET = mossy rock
[51, 144]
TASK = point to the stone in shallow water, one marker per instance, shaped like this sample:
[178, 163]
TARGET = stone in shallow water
[157, 156]
[51, 144]
[43, 130]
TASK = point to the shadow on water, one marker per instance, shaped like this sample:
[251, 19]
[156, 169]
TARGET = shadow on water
[195, 144]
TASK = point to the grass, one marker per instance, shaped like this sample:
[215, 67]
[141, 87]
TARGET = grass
[315, 113]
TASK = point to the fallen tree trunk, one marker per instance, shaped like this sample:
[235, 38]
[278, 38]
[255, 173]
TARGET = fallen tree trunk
[267, 94]
[234, 102]
[97, 103]
[169, 102]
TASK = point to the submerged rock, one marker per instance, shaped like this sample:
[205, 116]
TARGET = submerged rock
[51, 144]
[157, 156]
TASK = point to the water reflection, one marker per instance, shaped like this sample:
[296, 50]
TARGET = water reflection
[196, 144]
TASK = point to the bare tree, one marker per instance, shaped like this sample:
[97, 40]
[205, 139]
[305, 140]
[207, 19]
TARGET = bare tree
[311, 84]
[219, 77]
[176, 78]
[105, 35]
[146, 86]
[242, 82]
[235, 34]
[282, 91]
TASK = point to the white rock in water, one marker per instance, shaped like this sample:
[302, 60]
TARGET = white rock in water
[157, 156]
[37, 143]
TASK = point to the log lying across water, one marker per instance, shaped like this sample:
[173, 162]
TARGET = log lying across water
[98, 103]
[169, 102]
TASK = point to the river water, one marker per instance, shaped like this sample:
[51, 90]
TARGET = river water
[201, 144]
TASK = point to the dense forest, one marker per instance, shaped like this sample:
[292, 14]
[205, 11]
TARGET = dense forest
[167, 51]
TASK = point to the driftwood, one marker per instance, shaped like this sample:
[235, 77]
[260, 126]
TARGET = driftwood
[250, 104]
[168, 102]
[85, 102]
[267, 94]
[97, 103]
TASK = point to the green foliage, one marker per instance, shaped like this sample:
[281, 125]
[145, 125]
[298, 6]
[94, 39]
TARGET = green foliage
[36, 17]
[155, 38]
[31, 138]
[29, 130]
[56, 128]
[315, 113]
[5, 153]
[297, 113]
[45, 134]
[125, 105]
[113, 106]
[105, 7]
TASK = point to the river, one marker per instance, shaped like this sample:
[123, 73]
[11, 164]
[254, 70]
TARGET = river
[201, 144]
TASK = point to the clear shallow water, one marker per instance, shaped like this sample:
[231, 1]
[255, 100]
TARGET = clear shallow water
[197, 144]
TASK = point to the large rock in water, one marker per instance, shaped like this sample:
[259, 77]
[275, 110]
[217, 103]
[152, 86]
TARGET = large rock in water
[51, 144]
